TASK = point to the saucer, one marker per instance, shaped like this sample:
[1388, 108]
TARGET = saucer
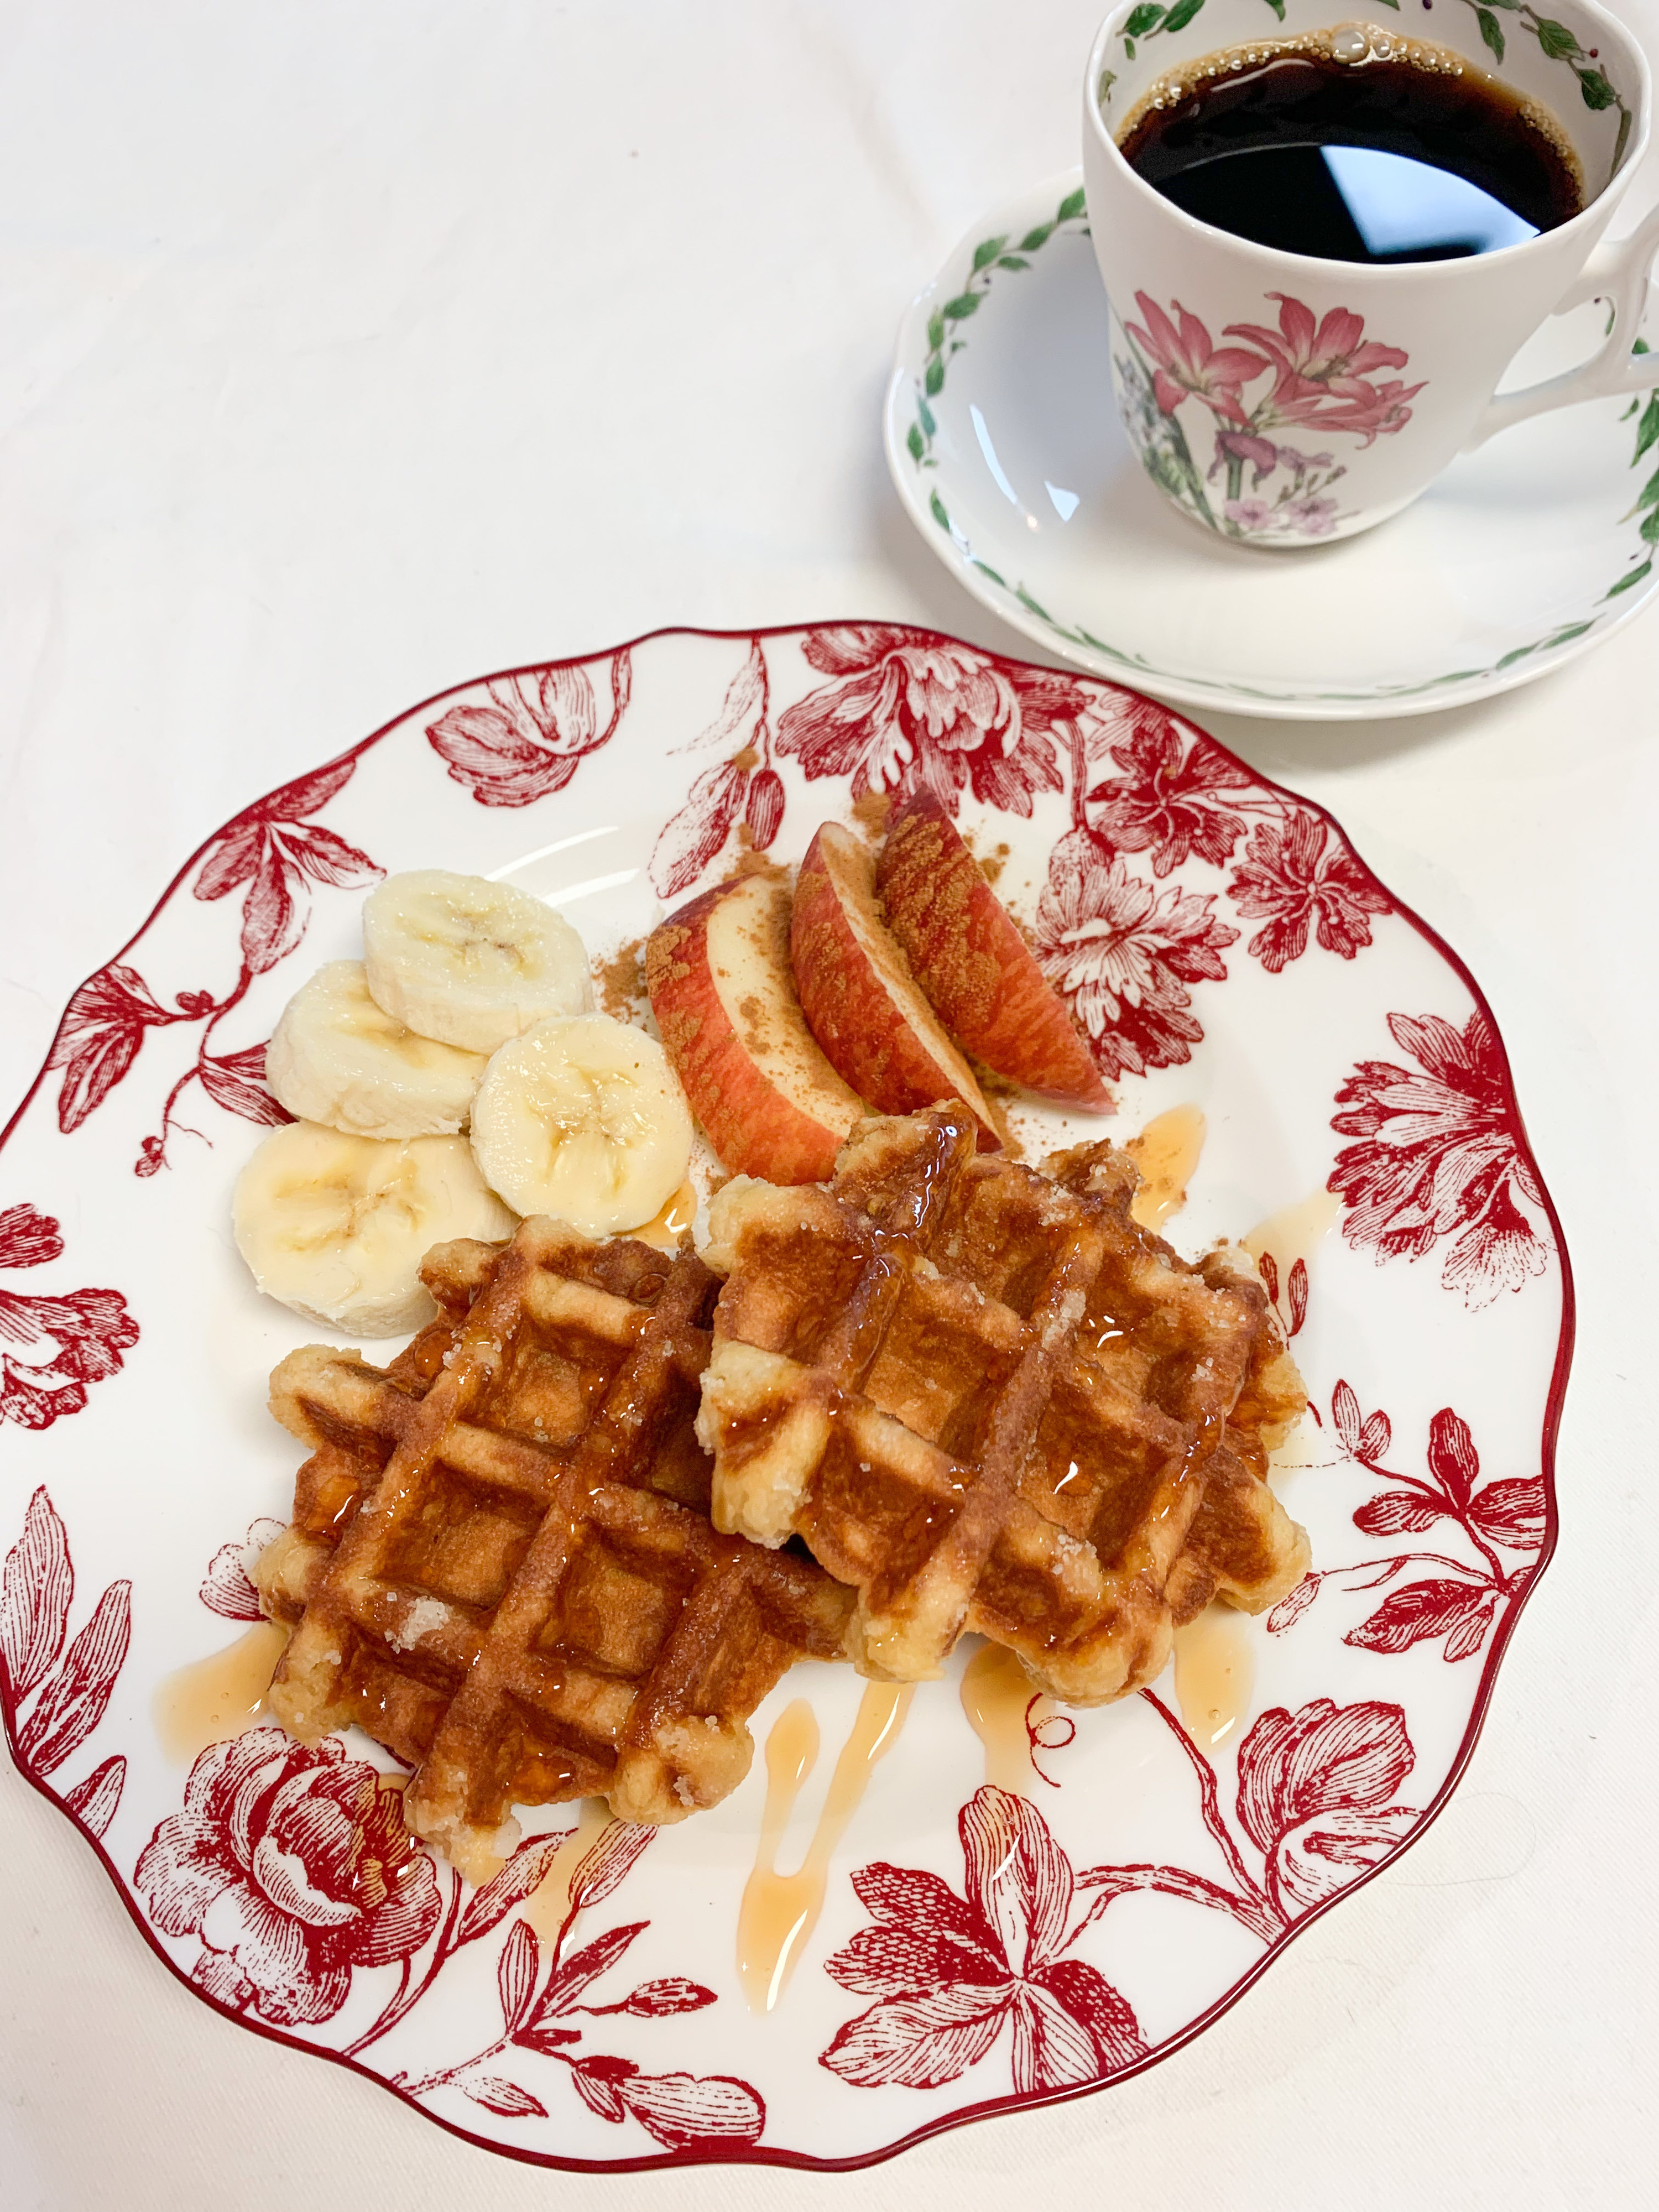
[1004, 440]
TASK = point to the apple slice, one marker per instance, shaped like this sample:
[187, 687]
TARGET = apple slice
[718, 973]
[968, 957]
[860, 1000]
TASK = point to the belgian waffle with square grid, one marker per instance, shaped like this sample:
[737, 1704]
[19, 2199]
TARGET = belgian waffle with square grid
[987, 1398]
[501, 1561]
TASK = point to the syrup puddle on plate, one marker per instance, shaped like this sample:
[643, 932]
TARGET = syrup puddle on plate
[1295, 1232]
[1166, 1152]
[548, 1906]
[780, 1911]
[665, 1229]
[1005, 1710]
[1215, 1674]
[219, 1696]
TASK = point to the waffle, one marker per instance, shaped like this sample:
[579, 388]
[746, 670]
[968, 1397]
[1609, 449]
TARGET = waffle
[987, 1399]
[500, 1563]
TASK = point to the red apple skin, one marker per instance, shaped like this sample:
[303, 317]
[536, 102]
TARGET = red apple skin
[860, 1000]
[718, 973]
[970, 957]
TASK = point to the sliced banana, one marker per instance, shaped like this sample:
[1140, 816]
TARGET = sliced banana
[336, 1227]
[583, 1117]
[335, 1057]
[469, 962]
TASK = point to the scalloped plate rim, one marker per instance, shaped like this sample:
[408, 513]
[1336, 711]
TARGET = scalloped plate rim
[761, 2154]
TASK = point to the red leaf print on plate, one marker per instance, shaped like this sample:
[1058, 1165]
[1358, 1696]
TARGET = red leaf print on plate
[1124, 953]
[273, 849]
[52, 1350]
[1167, 798]
[238, 1084]
[949, 1972]
[681, 2110]
[35, 1593]
[1460, 1602]
[95, 1801]
[1297, 876]
[99, 1037]
[38, 1586]
[72, 1704]
[1315, 1795]
[1439, 1156]
[1442, 1607]
[690, 840]
[528, 737]
[294, 1867]
[905, 711]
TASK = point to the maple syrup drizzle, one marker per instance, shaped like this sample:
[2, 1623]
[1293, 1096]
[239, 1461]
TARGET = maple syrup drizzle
[780, 1911]
[218, 1696]
[1166, 1152]
[1215, 1674]
[665, 1229]
[1295, 1232]
[997, 1697]
[548, 1903]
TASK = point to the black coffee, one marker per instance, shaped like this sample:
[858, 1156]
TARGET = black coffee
[1383, 159]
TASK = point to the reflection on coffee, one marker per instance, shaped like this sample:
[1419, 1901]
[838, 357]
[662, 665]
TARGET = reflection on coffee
[1404, 152]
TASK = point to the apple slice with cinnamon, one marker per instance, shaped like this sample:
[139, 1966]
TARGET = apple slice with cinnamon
[861, 1002]
[966, 953]
[719, 976]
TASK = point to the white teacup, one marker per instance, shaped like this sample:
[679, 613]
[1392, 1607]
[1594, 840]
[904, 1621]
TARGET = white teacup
[1282, 400]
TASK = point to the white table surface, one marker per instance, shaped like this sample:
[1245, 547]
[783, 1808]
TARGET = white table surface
[351, 348]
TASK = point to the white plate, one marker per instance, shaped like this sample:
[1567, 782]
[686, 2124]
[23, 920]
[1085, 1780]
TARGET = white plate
[1004, 440]
[1227, 950]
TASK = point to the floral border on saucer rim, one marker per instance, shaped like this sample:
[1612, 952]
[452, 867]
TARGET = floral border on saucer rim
[910, 427]
[1140, 842]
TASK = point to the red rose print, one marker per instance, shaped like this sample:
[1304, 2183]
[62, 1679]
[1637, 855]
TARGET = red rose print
[906, 711]
[527, 740]
[1166, 799]
[1123, 953]
[293, 1867]
[949, 1972]
[276, 852]
[1315, 1791]
[1439, 1156]
[52, 1350]
[1299, 876]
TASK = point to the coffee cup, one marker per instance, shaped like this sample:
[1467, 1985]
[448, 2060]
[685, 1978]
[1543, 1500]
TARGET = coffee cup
[1284, 399]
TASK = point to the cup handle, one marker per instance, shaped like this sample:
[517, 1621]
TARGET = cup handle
[1616, 271]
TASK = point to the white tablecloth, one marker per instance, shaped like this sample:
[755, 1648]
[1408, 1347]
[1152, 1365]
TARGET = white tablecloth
[351, 348]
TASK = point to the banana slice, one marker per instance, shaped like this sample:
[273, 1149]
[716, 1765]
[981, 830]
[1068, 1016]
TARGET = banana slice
[584, 1118]
[469, 962]
[335, 1057]
[336, 1227]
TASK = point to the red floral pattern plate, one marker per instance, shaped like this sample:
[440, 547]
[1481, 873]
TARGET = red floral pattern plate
[979, 1948]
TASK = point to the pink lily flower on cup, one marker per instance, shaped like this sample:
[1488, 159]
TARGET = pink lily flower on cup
[1187, 363]
[1371, 411]
[1314, 358]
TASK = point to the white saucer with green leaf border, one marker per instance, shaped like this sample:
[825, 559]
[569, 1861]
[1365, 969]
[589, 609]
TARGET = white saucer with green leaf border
[1004, 440]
